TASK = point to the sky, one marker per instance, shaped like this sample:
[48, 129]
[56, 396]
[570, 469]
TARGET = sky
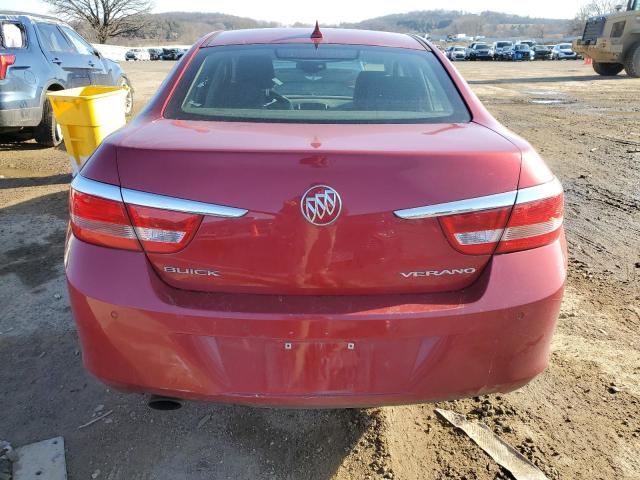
[336, 11]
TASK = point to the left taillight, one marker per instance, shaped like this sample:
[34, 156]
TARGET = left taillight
[163, 231]
[109, 222]
[6, 59]
[101, 221]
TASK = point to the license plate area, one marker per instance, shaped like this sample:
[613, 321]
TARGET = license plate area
[248, 366]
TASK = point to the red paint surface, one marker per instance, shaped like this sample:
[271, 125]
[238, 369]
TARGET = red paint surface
[376, 169]
[287, 282]
[493, 336]
[303, 35]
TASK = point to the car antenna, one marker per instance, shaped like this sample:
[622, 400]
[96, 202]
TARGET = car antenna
[316, 32]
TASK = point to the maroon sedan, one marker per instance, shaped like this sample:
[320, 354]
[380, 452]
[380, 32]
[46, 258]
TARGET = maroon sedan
[326, 219]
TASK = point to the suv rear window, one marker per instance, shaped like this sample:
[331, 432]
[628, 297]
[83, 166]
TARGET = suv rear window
[12, 35]
[309, 84]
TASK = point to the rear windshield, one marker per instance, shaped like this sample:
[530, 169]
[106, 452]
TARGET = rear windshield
[309, 84]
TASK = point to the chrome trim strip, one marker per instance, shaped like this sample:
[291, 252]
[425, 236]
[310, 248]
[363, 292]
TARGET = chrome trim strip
[545, 190]
[498, 200]
[487, 202]
[154, 200]
[136, 197]
[98, 189]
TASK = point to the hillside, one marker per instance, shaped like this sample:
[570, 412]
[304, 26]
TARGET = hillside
[444, 22]
[186, 27]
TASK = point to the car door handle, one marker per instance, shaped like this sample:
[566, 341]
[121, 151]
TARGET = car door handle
[91, 64]
[57, 61]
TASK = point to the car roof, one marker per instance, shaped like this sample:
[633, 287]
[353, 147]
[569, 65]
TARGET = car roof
[303, 35]
[15, 15]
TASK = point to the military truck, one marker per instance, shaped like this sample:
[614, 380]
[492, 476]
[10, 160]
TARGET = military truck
[613, 41]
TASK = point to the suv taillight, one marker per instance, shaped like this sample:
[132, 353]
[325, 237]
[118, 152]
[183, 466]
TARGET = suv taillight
[534, 221]
[6, 59]
[110, 223]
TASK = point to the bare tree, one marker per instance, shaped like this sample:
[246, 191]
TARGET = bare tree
[107, 18]
[594, 8]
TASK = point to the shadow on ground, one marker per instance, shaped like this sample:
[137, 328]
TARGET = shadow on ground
[63, 178]
[21, 142]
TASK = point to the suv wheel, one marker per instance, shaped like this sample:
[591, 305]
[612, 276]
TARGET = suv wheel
[632, 63]
[48, 133]
[607, 69]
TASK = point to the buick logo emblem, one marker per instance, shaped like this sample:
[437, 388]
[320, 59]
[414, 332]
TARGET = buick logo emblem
[321, 205]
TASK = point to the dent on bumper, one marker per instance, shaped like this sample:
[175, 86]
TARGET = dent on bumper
[139, 334]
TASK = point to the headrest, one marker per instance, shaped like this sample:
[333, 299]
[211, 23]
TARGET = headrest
[255, 69]
[379, 91]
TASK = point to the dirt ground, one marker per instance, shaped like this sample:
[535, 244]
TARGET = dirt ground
[578, 420]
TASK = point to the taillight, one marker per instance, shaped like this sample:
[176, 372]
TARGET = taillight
[110, 223]
[163, 231]
[533, 224]
[101, 221]
[6, 59]
[476, 233]
[534, 221]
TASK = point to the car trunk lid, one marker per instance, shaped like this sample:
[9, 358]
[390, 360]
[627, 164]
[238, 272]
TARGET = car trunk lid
[266, 169]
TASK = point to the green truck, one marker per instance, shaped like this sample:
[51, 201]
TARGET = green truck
[613, 41]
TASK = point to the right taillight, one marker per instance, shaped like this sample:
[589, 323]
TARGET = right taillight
[533, 224]
[534, 221]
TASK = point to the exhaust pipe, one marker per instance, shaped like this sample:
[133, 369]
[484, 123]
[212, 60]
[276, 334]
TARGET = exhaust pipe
[164, 403]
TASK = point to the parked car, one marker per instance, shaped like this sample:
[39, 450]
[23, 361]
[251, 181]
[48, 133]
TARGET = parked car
[563, 51]
[181, 52]
[137, 54]
[518, 52]
[529, 43]
[170, 53]
[374, 254]
[480, 51]
[456, 53]
[499, 48]
[542, 52]
[155, 54]
[40, 54]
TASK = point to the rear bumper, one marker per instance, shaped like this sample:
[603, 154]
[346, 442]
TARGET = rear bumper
[139, 334]
[564, 56]
[20, 117]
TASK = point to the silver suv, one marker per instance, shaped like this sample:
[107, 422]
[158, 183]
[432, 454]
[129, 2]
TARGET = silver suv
[40, 54]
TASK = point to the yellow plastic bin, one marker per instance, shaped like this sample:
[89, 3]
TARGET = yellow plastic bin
[86, 116]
